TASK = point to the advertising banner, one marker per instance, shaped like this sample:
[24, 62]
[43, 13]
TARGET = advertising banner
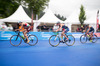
[5, 35]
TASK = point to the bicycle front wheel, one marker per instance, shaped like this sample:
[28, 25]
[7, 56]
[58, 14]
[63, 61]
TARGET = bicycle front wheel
[94, 38]
[83, 39]
[33, 40]
[15, 40]
[70, 41]
[54, 40]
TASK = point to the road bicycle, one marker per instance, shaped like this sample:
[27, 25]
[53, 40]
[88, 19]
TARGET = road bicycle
[16, 40]
[55, 40]
[86, 37]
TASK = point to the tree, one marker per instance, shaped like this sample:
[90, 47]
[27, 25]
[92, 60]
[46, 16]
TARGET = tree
[82, 16]
[7, 7]
[37, 5]
[41, 14]
[60, 17]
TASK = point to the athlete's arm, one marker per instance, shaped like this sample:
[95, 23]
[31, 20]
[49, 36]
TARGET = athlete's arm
[20, 28]
[59, 28]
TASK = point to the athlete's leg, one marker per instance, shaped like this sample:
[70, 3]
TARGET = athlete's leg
[62, 36]
[26, 36]
[91, 35]
[63, 33]
[24, 32]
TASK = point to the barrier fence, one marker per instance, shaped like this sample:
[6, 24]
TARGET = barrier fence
[5, 35]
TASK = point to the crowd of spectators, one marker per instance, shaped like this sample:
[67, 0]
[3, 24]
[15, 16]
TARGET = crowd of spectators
[45, 28]
[80, 29]
[42, 28]
[3, 27]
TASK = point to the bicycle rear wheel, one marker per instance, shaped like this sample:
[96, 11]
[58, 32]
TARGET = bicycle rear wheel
[83, 39]
[70, 41]
[33, 40]
[94, 38]
[54, 40]
[15, 40]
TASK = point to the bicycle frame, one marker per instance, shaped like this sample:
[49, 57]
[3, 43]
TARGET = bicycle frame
[55, 40]
[94, 38]
[18, 37]
[87, 36]
[18, 33]
[58, 36]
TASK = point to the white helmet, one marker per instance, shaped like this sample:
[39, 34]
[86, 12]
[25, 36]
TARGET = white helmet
[19, 22]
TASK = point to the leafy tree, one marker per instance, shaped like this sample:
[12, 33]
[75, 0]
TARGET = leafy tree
[41, 14]
[7, 7]
[37, 5]
[82, 16]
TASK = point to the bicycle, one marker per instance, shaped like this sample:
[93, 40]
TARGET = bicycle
[84, 38]
[16, 40]
[54, 40]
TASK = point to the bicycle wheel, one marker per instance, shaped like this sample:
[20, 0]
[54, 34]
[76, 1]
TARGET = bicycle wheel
[83, 39]
[54, 40]
[33, 40]
[15, 40]
[70, 41]
[94, 38]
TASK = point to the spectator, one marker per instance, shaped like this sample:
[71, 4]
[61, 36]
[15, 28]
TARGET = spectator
[98, 30]
[3, 27]
[78, 29]
[39, 28]
[16, 26]
[44, 27]
[10, 28]
[50, 29]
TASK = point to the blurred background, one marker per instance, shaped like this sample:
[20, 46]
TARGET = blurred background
[43, 14]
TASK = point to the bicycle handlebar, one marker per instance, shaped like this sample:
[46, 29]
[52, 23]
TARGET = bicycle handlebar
[57, 31]
[17, 31]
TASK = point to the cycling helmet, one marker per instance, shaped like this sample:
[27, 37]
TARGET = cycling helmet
[19, 22]
[58, 22]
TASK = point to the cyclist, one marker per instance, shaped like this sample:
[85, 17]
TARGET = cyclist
[64, 28]
[89, 30]
[26, 27]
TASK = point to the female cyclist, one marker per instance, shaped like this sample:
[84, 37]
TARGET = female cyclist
[26, 27]
[64, 28]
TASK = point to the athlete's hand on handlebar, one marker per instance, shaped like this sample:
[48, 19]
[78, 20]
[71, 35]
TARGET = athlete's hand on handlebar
[16, 30]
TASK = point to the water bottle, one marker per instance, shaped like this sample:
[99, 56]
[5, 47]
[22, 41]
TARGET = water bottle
[23, 37]
[88, 35]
